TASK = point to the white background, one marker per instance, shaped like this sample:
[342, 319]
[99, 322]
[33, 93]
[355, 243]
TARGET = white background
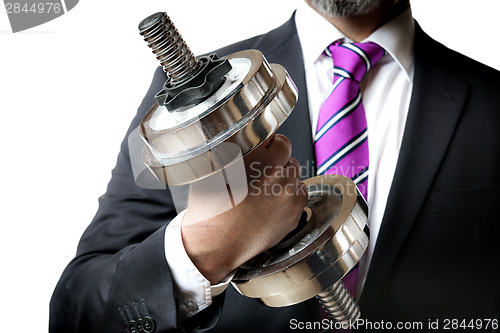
[68, 90]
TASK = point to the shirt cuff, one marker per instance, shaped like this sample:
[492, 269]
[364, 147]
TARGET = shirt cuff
[192, 290]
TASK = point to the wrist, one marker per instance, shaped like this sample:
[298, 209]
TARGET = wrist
[213, 260]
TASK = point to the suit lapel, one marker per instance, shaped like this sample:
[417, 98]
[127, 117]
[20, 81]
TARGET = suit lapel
[282, 46]
[436, 104]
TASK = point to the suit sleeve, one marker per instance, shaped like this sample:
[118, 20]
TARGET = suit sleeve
[119, 275]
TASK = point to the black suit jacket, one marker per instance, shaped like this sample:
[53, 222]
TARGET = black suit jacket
[436, 256]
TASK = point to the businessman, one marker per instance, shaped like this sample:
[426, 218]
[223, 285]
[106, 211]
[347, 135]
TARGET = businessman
[429, 146]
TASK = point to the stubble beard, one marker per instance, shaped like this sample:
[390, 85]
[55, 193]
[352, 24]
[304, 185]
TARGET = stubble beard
[344, 7]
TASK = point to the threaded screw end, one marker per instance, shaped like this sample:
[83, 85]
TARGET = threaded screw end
[168, 46]
[339, 304]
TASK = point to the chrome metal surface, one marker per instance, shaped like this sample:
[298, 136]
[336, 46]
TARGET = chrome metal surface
[254, 101]
[168, 46]
[339, 304]
[325, 253]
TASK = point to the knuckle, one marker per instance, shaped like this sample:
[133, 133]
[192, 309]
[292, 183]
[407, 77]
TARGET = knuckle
[282, 145]
[282, 140]
[295, 169]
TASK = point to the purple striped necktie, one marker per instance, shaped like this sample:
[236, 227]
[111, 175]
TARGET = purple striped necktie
[341, 140]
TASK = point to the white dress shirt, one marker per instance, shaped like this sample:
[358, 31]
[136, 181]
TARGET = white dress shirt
[386, 91]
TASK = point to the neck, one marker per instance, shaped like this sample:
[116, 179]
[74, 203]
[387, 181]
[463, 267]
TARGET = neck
[359, 27]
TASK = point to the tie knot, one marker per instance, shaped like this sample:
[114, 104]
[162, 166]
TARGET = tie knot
[353, 60]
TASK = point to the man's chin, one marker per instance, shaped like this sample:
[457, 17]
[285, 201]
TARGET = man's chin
[344, 8]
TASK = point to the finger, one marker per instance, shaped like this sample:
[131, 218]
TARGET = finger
[274, 151]
[294, 169]
[279, 150]
[259, 153]
[267, 141]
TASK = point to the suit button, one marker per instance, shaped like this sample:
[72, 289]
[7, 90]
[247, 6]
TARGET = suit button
[131, 327]
[148, 325]
[138, 326]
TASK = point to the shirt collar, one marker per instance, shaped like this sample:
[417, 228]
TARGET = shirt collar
[316, 33]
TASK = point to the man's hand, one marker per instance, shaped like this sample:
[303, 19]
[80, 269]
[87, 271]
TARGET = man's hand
[276, 197]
